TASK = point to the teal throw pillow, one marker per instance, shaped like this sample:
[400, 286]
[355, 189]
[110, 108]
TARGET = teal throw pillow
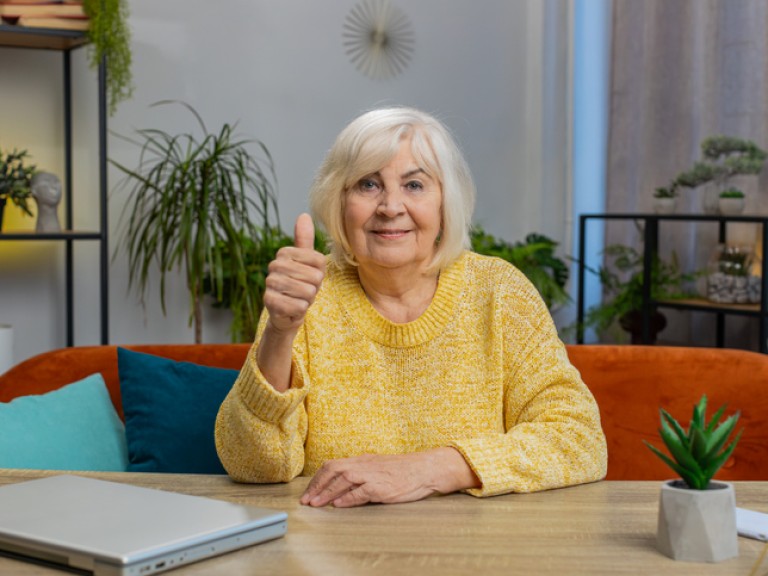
[73, 428]
[170, 410]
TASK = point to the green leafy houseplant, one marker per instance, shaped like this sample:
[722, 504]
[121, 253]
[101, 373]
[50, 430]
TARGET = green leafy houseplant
[110, 39]
[622, 281]
[191, 204]
[698, 453]
[535, 257]
[15, 180]
[247, 301]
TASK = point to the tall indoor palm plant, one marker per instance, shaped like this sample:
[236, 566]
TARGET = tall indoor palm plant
[192, 200]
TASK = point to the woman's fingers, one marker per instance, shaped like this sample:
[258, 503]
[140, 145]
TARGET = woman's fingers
[327, 485]
[294, 278]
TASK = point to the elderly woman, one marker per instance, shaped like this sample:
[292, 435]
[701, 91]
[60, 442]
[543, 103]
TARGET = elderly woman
[404, 365]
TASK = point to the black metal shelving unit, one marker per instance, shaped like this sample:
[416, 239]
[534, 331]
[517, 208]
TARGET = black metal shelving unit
[650, 248]
[65, 41]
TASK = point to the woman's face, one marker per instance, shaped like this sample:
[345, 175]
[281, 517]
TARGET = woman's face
[393, 217]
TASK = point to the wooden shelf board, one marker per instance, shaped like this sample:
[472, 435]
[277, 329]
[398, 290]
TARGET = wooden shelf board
[703, 303]
[41, 38]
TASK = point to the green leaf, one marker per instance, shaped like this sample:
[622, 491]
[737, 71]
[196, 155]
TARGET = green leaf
[719, 437]
[678, 430]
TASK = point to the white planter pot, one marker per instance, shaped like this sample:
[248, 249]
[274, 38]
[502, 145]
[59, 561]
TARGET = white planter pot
[731, 206]
[664, 205]
[697, 525]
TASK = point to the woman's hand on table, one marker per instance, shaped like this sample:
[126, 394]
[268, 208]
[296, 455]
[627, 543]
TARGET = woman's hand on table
[389, 478]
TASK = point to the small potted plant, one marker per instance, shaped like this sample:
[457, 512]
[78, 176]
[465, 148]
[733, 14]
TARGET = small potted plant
[665, 199]
[697, 516]
[724, 158]
[731, 201]
[622, 281]
[15, 181]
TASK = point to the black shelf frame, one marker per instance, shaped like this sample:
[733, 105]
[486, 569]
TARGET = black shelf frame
[65, 41]
[650, 249]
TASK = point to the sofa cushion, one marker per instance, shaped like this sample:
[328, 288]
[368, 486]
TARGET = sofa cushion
[170, 410]
[73, 428]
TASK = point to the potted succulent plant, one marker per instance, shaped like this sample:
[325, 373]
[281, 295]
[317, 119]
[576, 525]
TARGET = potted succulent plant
[731, 201]
[697, 516]
[665, 199]
[192, 201]
[15, 181]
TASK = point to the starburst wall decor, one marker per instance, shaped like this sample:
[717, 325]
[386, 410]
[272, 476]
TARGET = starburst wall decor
[378, 39]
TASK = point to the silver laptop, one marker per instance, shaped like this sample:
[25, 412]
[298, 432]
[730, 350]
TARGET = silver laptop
[114, 529]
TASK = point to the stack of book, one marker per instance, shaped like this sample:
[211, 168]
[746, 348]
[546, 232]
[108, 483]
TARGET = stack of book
[57, 14]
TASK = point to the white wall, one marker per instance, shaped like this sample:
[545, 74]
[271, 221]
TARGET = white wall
[488, 68]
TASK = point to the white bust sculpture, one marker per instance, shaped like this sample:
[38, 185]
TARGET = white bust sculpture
[46, 190]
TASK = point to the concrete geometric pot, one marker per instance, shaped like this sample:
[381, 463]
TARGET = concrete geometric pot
[697, 525]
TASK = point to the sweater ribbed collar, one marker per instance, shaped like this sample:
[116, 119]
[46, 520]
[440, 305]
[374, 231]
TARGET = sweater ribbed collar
[367, 319]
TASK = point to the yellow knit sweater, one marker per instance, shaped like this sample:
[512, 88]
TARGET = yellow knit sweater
[482, 370]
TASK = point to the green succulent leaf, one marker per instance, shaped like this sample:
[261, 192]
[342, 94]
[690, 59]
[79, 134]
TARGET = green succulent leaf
[668, 420]
[680, 452]
[668, 461]
[716, 418]
[719, 437]
[698, 454]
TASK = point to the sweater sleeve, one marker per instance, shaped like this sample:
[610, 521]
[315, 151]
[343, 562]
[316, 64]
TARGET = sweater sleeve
[259, 431]
[553, 437]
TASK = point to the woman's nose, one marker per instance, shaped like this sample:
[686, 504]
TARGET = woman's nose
[391, 202]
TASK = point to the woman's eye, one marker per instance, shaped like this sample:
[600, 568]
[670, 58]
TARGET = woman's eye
[414, 185]
[367, 185]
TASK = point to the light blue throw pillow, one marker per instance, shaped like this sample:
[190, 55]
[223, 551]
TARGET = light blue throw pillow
[73, 428]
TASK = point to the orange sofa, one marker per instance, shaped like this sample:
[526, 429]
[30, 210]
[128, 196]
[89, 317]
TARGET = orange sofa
[630, 383]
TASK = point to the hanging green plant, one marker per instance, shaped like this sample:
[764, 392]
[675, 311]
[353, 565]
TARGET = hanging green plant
[111, 39]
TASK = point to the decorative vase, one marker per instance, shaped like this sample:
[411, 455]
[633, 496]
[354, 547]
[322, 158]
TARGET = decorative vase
[664, 205]
[730, 206]
[697, 525]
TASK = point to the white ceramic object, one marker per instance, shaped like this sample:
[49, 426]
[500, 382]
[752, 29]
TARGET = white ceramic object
[664, 205]
[46, 190]
[731, 206]
[697, 525]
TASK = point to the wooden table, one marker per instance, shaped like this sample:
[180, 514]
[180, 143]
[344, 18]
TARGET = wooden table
[602, 528]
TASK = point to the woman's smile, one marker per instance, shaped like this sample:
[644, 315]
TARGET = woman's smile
[394, 215]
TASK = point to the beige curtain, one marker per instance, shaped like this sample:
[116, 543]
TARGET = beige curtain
[683, 70]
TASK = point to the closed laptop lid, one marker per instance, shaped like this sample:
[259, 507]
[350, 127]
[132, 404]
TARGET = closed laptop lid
[86, 523]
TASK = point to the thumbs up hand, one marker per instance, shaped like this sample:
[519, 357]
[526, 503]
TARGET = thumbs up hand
[294, 278]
